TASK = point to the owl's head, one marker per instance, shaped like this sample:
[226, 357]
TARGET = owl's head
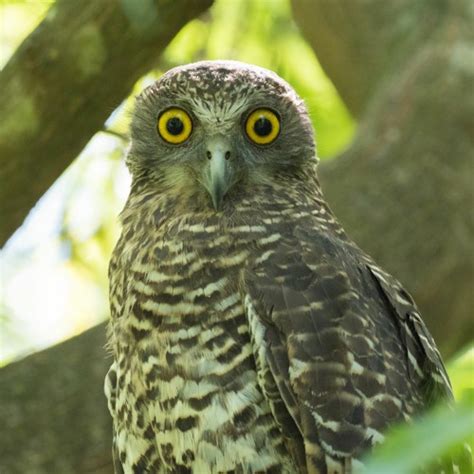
[217, 128]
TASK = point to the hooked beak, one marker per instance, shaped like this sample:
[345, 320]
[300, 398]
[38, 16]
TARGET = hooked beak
[219, 170]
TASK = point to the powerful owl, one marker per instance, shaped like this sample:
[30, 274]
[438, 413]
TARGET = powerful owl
[249, 333]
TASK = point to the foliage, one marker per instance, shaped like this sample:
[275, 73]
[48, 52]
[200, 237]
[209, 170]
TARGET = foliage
[439, 433]
[411, 447]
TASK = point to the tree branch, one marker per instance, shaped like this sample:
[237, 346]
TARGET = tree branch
[53, 410]
[404, 188]
[361, 43]
[65, 80]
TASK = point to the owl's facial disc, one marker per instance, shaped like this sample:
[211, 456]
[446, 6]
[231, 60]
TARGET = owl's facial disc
[224, 166]
[219, 173]
[214, 132]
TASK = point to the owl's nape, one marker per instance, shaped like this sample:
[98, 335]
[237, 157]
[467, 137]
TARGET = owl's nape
[255, 337]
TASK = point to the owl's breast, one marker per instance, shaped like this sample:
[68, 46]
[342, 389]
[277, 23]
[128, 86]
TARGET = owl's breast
[188, 390]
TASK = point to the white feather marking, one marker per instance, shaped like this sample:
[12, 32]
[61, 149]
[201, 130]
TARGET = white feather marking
[227, 302]
[182, 308]
[270, 239]
[158, 277]
[375, 435]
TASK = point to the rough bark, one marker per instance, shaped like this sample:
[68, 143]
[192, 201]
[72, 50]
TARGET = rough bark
[64, 81]
[404, 189]
[53, 413]
[360, 43]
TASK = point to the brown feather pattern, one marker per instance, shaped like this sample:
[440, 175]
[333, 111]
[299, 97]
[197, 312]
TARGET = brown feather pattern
[256, 339]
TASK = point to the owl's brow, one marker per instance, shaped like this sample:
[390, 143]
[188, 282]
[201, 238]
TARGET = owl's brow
[216, 108]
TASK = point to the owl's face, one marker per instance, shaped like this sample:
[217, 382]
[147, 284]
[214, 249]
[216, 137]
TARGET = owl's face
[217, 126]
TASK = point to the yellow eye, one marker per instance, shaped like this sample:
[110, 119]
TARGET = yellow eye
[175, 125]
[262, 126]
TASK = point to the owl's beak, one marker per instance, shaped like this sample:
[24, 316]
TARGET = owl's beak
[219, 171]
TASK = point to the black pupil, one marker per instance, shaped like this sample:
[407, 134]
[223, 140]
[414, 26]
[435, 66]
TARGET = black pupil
[175, 126]
[262, 127]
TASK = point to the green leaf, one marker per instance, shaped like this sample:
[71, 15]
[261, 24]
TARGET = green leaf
[410, 447]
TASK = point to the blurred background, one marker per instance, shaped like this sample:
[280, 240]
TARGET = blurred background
[388, 92]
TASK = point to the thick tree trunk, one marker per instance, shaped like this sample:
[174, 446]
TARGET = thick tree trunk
[65, 80]
[53, 413]
[404, 189]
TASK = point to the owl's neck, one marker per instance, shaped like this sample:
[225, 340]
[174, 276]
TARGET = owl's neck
[155, 204]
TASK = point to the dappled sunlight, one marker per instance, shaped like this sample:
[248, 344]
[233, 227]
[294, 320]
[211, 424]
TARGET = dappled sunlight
[55, 266]
[17, 20]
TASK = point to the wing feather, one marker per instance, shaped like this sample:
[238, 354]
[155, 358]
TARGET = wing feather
[345, 345]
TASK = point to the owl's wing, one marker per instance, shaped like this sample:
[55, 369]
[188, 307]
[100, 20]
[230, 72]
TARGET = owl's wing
[345, 345]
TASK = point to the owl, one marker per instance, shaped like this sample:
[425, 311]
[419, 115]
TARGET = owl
[249, 333]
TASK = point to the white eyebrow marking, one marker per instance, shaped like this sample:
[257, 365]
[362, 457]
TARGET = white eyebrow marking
[219, 109]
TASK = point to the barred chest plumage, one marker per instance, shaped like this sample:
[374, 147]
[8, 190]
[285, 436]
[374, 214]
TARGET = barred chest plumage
[188, 398]
[240, 310]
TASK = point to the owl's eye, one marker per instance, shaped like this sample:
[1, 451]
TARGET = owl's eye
[262, 126]
[175, 125]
